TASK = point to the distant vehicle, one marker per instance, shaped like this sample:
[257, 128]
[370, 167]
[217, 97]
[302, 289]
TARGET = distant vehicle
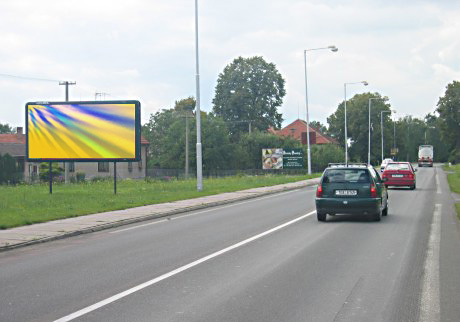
[384, 163]
[351, 189]
[425, 155]
[400, 174]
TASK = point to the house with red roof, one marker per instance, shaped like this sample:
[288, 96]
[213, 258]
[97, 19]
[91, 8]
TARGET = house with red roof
[298, 131]
[15, 145]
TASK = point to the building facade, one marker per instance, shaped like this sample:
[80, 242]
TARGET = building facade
[15, 145]
[298, 131]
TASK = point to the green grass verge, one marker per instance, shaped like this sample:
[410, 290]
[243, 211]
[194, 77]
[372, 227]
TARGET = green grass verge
[28, 204]
[454, 181]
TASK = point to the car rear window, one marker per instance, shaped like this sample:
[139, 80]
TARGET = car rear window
[397, 166]
[346, 175]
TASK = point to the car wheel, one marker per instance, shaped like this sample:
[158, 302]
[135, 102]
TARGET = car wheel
[321, 216]
[377, 216]
[385, 211]
[412, 187]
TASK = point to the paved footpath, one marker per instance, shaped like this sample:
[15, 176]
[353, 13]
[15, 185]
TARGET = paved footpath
[57, 229]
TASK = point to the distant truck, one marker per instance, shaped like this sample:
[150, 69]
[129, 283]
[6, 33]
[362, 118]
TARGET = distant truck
[425, 155]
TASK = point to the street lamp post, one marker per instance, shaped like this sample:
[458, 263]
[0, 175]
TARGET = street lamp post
[381, 125]
[369, 141]
[199, 161]
[333, 49]
[345, 112]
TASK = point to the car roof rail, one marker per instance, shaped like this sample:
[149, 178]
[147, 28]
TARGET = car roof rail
[341, 165]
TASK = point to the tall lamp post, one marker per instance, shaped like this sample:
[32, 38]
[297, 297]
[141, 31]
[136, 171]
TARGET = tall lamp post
[381, 125]
[199, 161]
[369, 141]
[345, 108]
[333, 49]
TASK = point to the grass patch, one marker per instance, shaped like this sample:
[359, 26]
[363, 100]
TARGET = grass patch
[28, 204]
[454, 181]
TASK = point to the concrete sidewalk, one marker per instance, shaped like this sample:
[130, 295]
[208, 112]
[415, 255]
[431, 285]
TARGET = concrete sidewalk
[38, 233]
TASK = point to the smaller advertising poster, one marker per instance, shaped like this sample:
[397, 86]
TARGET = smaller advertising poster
[272, 158]
[293, 159]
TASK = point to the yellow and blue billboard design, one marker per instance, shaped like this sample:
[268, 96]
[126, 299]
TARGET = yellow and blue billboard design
[83, 131]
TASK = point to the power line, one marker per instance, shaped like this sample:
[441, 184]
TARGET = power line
[29, 78]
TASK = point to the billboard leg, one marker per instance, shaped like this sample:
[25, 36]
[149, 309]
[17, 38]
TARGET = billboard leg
[115, 178]
[51, 179]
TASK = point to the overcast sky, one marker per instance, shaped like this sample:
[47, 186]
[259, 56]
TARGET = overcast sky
[138, 49]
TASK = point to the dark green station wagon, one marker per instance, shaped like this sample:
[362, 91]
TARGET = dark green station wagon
[351, 189]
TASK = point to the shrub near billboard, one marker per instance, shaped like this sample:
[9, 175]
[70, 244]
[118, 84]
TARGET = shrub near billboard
[83, 131]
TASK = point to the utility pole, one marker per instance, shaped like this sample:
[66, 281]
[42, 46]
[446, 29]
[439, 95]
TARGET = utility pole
[66, 165]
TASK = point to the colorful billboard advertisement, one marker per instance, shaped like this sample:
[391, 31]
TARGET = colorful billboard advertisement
[83, 131]
[282, 159]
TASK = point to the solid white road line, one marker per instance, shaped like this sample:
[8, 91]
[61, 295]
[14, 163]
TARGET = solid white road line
[139, 287]
[203, 211]
[430, 304]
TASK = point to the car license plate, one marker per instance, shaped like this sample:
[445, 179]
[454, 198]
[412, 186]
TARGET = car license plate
[397, 175]
[346, 192]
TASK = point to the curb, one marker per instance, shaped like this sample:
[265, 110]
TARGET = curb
[123, 222]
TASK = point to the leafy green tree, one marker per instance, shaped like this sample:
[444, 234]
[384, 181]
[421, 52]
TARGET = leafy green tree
[249, 149]
[249, 89]
[448, 108]
[9, 172]
[166, 133]
[358, 126]
[5, 129]
[319, 126]
[323, 154]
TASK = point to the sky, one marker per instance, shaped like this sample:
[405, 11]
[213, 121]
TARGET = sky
[407, 50]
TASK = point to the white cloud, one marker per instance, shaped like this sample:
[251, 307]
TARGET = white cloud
[143, 49]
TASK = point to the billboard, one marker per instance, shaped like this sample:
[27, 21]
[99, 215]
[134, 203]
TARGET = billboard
[293, 159]
[282, 159]
[83, 131]
[272, 158]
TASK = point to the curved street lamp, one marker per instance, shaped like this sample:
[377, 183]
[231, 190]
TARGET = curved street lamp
[333, 49]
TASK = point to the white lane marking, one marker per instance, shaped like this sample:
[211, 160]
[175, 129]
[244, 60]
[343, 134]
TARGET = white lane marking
[438, 184]
[430, 308]
[203, 211]
[139, 287]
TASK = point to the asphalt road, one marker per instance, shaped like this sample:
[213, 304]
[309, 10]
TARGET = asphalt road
[266, 259]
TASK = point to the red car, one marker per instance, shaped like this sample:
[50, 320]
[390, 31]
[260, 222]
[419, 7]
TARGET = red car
[400, 174]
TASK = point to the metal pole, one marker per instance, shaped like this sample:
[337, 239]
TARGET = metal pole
[199, 165]
[381, 128]
[115, 178]
[250, 129]
[345, 111]
[369, 141]
[51, 179]
[307, 116]
[66, 165]
[186, 147]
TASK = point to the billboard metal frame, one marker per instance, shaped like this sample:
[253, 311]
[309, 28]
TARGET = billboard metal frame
[137, 107]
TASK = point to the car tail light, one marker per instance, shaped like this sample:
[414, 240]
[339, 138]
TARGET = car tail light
[373, 191]
[411, 176]
[319, 191]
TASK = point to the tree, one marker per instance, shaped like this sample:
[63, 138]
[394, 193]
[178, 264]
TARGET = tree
[448, 108]
[5, 129]
[9, 171]
[358, 126]
[319, 126]
[56, 170]
[249, 89]
[323, 154]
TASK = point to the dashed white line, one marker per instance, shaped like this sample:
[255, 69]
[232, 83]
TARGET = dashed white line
[438, 184]
[139, 287]
[430, 303]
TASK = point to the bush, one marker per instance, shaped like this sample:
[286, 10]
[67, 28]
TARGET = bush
[454, 156]
[80, 176]
[9, 171]
[322, 155]
[56, 170]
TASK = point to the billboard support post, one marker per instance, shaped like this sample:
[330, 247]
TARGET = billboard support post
[114, 178]
[51, 179]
